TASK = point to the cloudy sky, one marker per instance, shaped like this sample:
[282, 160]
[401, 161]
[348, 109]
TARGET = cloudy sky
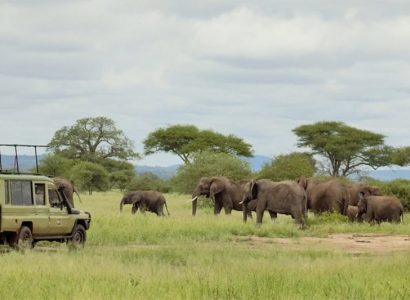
[256, 69]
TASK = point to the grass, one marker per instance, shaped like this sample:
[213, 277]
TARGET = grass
[202, 257]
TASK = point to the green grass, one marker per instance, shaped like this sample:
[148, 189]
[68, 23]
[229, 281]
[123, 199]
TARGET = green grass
[202, 257]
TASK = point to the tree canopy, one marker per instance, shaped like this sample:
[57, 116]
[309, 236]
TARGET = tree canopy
[92, 139]
[184, 140]
[289, 166]
[344, 148]
[401, 156]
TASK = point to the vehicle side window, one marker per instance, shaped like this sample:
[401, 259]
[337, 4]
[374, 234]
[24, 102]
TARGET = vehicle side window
[54, 198]
[20, 192]
[40, 193]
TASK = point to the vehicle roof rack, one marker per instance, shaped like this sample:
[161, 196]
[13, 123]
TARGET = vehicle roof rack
[16, 159]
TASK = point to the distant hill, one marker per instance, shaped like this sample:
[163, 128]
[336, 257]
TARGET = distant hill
[387, 175]
[161, 172]
[258, 161]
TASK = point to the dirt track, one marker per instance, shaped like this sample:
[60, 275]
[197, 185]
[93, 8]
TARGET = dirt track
[350, 243]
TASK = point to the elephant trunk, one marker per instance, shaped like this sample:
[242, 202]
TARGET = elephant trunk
[245, 211]
[121, 204]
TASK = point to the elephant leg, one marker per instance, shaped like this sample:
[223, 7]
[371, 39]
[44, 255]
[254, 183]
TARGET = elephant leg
[273, 215]
[217, 208]
[227, 210]
[134, 208]
[259, 214]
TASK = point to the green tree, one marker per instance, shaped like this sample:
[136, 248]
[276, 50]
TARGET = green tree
[344, 148]
[210, 164]
[92, 139]
[289, 166]
[90, 177]
[121, 172]
[185, 140]
[55, 165]
[401, 156]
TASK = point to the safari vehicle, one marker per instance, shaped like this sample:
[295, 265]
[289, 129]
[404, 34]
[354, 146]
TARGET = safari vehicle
[32, 209]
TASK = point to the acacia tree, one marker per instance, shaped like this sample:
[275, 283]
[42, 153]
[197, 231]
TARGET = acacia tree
[92, 139]
[185, 140]
[344, 148]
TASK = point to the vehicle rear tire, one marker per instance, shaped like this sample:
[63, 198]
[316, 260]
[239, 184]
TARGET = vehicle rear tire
[24, 239]
[79, 237]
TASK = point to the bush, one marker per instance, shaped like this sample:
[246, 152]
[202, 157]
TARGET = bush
[90, 176]
[148, 181]
[289, 166]
[207, 164]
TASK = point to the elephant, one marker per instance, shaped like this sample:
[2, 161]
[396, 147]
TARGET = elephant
[352, 214]
[152, 201]
[329, 196]
[224, 192]
[380, 208]
[355, 188]
[283, 197]
[69, 188]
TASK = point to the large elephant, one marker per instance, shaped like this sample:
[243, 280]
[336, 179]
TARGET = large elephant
[380, 208]
[69, 188]
[326, 196]
[355, 188]
[283, 197]
[223, 191]
[152, 201]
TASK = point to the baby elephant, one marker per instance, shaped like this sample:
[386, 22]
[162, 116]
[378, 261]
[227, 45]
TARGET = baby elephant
[152, 201]
[380, 208]
[353, 214]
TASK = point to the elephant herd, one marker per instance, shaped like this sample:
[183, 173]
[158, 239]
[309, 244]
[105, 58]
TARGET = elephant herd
[357, 201]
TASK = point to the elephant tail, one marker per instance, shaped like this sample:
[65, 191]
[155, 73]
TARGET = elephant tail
[166, 207]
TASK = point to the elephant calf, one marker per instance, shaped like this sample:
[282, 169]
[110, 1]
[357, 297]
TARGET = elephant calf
[380, 208]
[152, 201]
[353, 214]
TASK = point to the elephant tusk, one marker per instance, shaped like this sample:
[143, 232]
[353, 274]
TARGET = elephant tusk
[193, 199]
[241, 202]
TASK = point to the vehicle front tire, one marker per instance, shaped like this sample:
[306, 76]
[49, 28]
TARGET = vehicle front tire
[79, 236]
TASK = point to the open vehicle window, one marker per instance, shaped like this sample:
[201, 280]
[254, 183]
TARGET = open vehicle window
[40, 193]
[20, 192]
[54, 198]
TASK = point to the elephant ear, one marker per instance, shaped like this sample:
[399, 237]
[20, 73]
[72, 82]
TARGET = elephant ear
[217, 186]
[254, 187]
[302, 181]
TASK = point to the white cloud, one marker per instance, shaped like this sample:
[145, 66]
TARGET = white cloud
[256, 70]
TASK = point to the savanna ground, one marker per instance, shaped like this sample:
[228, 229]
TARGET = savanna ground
[206, 257]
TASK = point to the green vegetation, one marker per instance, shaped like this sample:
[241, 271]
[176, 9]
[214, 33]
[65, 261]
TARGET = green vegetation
[92, 139]
[289, 166]
[186, 140]
[203, 257]
[344, 148]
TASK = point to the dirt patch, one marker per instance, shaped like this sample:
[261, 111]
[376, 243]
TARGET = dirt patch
[350, 243]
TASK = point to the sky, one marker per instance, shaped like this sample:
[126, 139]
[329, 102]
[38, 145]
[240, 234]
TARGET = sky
[255, 69]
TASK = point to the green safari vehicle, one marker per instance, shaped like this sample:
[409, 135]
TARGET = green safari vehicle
[33, 209]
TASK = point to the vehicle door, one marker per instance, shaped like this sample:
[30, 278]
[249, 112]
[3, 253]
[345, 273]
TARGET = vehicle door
[41, 208]
[60, 222]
